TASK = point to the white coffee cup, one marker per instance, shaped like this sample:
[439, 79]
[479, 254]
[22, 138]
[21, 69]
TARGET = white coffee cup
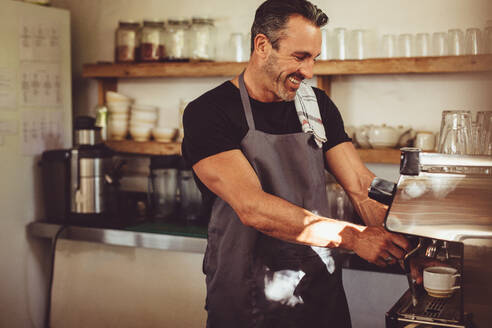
[425, 140]
[439, 281]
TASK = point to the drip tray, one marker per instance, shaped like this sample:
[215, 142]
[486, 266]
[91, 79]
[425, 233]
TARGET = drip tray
[430, 309]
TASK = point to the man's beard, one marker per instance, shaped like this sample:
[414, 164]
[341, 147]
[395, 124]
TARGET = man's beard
[279, 85]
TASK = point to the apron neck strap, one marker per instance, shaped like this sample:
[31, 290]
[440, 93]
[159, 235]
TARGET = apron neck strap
[246, 103]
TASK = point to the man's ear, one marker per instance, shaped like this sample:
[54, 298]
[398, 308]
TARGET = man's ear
[263, 47]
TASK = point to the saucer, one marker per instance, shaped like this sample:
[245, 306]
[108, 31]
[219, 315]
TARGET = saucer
[439, 293]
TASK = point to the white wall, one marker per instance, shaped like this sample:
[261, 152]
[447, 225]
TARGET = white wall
[24, 260]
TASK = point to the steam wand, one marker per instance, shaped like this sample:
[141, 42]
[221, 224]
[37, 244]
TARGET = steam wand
[406, 266]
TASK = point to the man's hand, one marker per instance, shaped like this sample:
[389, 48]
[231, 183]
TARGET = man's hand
[378, 246]
[418, 264]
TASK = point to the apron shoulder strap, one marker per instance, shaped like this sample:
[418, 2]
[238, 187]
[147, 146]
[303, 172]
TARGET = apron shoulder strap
[246, 103]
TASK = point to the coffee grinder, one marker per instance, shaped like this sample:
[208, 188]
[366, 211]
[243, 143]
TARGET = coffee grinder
[76, 181]
[90, 165]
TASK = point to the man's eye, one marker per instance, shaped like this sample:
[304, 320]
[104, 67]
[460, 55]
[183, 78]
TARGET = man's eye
[299, 58]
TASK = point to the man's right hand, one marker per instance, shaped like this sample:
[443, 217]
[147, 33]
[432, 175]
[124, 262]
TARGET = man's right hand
[378, 246]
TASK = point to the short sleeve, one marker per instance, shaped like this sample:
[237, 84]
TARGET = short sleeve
[332, 121]
[208, 130]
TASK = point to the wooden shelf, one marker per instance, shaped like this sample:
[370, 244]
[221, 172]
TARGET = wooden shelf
[145, 147]
[380, 155]
[383, 155]
[448, 64]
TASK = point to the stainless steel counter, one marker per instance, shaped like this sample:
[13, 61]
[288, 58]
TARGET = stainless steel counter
[120, 237]
[165, 241]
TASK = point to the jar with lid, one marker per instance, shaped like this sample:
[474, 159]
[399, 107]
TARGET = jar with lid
[126, 41]
[202, 39]
[175, 39]
[150, 34]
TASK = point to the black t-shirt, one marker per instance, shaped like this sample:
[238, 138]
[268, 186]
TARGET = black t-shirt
[215, 122]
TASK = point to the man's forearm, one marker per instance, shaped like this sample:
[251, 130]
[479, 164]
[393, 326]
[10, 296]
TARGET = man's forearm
[355, 178]
[281, 219]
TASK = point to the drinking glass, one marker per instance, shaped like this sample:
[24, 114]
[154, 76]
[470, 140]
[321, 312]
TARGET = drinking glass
[439, 44]
[487, 40]
[455, 133]
[190, 196]
[236, 46]
[422, 44]
[163, 186]
[358, 44]
[455, 42]
[473, 41]
[340, 43]
[487, 142]
[388, 46]
[483, 133]
[326, 44]
[405, 45]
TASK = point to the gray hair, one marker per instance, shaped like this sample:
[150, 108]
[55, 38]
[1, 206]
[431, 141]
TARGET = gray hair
[272, 16]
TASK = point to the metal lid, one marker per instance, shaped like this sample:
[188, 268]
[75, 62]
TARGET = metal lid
[153, 23]
[178, 21]
[128, 23]
[85, 123]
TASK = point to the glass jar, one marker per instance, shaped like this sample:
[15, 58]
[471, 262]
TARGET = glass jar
[202, 39]
[150, 35]
[163, 186]
[126, 41]
[190, 197]
[175, 40]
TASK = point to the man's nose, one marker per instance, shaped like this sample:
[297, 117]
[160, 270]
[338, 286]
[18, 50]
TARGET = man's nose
[306, 68]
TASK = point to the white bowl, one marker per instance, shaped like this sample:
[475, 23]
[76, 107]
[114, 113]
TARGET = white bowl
[117, 130]
[143, 107]
[118, 116]
[142, 125]
[115, 96]
[143, 116]
[118, 124]
[163, 134]
[118, 107]
[140, 133]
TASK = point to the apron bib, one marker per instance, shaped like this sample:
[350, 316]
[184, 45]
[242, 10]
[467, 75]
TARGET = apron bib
[254, 280]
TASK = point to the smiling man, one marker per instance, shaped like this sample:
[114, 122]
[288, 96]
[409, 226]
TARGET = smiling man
[259, 145]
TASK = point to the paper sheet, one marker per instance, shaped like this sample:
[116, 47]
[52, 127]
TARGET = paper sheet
[8, 95]
[41, 85]
[39, 41]
[41, 130]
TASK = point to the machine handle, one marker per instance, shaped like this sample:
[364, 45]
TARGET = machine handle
[382, 191]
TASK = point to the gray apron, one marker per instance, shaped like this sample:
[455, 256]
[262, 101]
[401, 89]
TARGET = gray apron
[254, 280]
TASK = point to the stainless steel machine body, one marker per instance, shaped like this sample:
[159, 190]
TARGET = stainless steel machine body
[446, 201]
[88, 183]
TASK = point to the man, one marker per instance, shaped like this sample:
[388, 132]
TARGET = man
[259, 153]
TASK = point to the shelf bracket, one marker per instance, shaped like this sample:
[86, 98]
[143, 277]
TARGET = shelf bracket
[103, 85]
[324, 83]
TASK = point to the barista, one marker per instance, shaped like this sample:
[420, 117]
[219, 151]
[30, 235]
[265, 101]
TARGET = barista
[259, 145]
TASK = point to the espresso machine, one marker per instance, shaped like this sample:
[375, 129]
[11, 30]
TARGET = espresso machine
[443, 203]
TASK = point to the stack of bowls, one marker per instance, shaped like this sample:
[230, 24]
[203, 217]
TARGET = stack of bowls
[161, 132]
[143, 119]
[119, 109]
